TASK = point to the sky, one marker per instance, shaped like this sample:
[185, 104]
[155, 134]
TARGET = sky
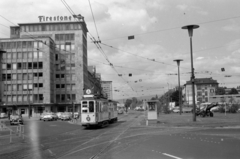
[158, 39]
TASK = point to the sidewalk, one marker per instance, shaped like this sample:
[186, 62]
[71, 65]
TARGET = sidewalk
[186, 120]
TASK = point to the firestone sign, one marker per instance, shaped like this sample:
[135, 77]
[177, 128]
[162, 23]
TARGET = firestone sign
[55, 18]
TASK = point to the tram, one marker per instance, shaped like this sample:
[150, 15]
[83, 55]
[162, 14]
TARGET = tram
[98, 111]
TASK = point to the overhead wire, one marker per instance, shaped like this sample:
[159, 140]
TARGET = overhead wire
[94, 20]
[99, 48]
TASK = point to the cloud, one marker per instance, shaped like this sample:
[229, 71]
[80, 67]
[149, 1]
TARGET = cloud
[201, 12]
[182, 7]
[233, 27]
[199, 58]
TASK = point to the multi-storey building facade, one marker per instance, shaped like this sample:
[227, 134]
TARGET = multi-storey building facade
[204, 88]
[44, 67]
[107, 89]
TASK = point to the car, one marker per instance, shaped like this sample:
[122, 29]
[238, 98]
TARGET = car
[176, 110]
[47, 117]
[16, 119]
[120, 111]
[59, 114]
[186, 110]
[3, 115]
[66, 116]
[54, 116]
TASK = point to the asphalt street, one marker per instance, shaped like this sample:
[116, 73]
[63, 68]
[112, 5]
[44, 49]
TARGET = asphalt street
[128, 138]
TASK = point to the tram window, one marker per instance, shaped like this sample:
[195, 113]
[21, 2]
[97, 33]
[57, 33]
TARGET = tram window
[91, 106]
[84, 104]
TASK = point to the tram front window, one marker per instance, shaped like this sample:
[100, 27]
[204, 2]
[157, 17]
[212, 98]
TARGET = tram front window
[91, 107]
[84, 107]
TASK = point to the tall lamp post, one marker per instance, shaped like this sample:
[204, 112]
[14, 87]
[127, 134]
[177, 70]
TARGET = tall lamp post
[179, 89]
[190, 32]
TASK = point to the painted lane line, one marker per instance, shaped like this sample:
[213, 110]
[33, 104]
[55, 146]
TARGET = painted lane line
[171, 156]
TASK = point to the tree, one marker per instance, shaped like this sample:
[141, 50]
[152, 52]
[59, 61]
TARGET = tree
[175, 97]
[233, 91]
[220, 91]
[128, 103]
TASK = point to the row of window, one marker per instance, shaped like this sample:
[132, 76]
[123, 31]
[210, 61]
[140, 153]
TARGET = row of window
[68, 77]
[21, 44]
[23, 98]
[50, 27]
[65, 97]
[22, 65]
[22, 55]
[64, 37]
[65, 47]
[62, 67]
[24, 87]
[21, 76]
[67, 86]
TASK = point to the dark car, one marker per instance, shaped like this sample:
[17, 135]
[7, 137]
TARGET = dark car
[16, 119]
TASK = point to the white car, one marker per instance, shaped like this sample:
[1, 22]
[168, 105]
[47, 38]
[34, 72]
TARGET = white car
[176, 110]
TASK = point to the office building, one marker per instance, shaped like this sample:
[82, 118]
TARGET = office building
[44, 68]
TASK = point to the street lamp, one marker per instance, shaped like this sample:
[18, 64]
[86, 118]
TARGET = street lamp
[180, 97]
[190, 32]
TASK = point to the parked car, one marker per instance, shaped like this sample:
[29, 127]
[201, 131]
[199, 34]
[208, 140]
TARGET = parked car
[120, 111]
[66, 116]
[3, 115]
[59, 114]
[176, 110]
[54, 116]
[16, 119]
[47, 117]
[186, 110]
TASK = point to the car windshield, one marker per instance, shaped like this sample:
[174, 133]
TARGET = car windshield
[120, 79]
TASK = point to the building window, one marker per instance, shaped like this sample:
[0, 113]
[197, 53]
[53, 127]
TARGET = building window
[9, 66]
[19, 76]
[40, 65]
[19, 55]
[25, 55]
[62, 76]
[62, 97]
[9, 87]
[19, 87]
[68, 86]
[40, 55]
[57, 75]
[4, 66]
[25, 76]
[9, 55]
[14, 55]
[29, 65]
[73, 96]
[57, 86]
[35, 65]
[19, 98]
[14, 76]
[62, 85]
[14, 65]
[35, 55]
[9, 77]
[19, 66]
[35, 44]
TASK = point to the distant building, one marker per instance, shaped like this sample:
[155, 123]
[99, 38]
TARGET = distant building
[204, 88]
[227, 98]
[94, 82]
[107, 89]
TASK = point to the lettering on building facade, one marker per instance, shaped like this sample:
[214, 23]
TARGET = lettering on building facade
[55, 18]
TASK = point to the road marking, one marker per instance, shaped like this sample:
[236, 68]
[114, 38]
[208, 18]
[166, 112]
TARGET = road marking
[171, 156]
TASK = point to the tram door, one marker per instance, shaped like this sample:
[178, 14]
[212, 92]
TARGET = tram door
[88, 112]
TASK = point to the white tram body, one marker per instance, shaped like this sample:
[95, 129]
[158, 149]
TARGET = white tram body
[98, 112]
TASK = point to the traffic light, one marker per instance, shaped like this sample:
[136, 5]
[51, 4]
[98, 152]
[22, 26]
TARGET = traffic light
[222, 69]
[130, 75]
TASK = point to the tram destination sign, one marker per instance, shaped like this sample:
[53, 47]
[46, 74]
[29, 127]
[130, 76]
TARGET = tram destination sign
[54, 18]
